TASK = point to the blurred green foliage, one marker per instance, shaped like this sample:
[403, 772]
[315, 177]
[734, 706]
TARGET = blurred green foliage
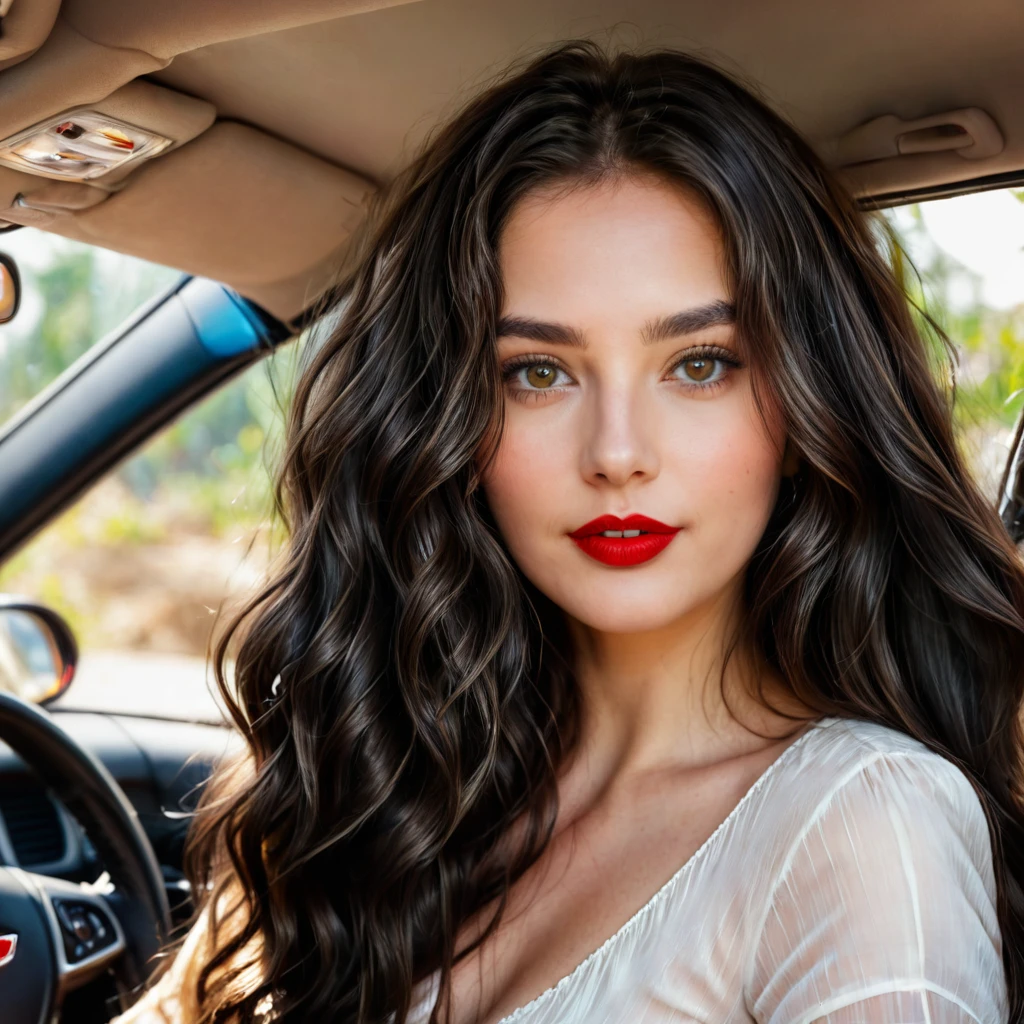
[206, 476]
[213, 464]
[988, 369]
[64, 332]
[80, 294]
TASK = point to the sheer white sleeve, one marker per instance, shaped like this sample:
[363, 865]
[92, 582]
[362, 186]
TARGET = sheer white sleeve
[884, 911]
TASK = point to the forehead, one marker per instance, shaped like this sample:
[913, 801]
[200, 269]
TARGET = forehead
[624, 247]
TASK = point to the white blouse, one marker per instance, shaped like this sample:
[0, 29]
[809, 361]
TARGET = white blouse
[852, 884]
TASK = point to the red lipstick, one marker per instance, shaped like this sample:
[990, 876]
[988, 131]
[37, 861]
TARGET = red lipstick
[653, 538]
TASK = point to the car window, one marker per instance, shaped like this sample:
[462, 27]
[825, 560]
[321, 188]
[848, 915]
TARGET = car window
[73, 295]
[175, 536]
[967, 271]
[143, 564]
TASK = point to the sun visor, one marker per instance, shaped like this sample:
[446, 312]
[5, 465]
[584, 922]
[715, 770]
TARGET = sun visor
[32, 197]
[68, 71]
[25, 25]
[29, 201]
[235, 205]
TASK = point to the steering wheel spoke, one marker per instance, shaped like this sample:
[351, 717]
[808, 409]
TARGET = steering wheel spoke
[86, 934]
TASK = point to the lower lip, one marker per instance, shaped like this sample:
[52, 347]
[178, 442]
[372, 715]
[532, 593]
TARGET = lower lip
[624, 550]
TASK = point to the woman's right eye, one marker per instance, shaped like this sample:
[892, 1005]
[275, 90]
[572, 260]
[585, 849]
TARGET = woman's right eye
[532, 375]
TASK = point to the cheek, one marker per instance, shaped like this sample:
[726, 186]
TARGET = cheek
[728, 468]
[528, 483]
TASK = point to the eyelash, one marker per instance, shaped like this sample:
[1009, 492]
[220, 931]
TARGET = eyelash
[719, 355]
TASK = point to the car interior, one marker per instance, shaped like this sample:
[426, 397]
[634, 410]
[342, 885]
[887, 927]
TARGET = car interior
[242, 144]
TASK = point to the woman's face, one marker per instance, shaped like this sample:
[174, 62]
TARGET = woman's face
[626, 393]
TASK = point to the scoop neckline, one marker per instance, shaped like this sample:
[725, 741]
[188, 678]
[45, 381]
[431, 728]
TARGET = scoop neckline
[663, 893]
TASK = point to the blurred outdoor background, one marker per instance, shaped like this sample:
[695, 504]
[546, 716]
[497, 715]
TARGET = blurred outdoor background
[141, 564]
[182, 529]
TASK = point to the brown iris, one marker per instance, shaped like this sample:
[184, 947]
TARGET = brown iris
[699, 369]
[540, 376]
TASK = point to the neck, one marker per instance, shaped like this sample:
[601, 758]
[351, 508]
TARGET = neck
[669, 697]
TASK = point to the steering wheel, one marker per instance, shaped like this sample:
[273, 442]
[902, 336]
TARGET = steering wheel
[56, 935]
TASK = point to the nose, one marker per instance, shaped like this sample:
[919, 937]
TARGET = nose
[619, 444]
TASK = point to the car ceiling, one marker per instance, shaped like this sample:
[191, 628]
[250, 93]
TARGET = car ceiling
[309, 105]
[360, 91]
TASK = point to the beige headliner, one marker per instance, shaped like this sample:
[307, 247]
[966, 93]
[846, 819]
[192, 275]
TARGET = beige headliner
[361, 91]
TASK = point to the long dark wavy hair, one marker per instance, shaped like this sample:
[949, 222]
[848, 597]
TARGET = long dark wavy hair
[427, 696]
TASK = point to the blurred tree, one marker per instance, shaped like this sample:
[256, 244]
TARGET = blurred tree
[65, 331]
[989, 343]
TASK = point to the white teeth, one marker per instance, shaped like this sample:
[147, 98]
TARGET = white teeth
[630, 533]
[621, 533]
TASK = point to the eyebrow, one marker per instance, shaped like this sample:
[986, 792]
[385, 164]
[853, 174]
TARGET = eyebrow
[687, 321]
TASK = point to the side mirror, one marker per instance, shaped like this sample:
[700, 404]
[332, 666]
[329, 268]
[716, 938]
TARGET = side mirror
[10, 289]
[38, 652]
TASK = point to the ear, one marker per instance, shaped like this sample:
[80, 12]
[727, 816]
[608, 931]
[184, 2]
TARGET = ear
[790, 459]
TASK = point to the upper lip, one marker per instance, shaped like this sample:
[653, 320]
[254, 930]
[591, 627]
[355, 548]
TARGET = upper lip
[632, 522]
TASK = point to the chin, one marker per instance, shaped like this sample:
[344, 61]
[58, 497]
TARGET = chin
[614, 604]
[602, 622]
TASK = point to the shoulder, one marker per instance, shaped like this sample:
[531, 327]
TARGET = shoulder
[867, 795]
[884, 877]
[869, 769]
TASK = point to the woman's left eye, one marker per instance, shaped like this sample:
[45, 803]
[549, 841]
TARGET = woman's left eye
[703, 369]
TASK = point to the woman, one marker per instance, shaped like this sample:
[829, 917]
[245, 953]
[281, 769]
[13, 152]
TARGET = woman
[644, 650]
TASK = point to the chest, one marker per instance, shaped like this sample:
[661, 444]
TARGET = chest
[594, 877]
